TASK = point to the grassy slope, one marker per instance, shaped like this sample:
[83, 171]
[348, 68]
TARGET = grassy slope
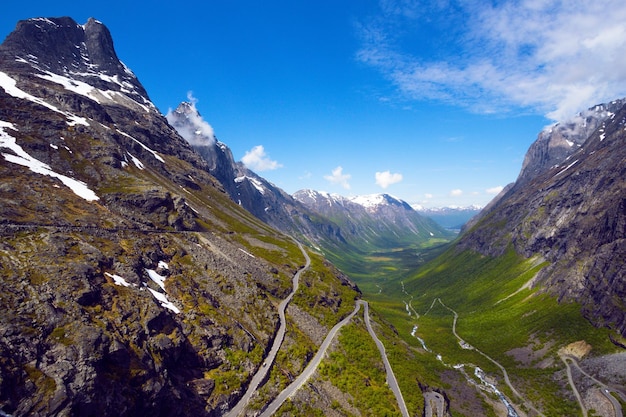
[495, 315]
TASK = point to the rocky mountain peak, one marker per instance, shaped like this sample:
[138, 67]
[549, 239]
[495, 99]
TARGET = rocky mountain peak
[99, 45]
[186, 108]
[59, 46]
[186, 119]
[374, 202]
[559, 141]
[568, 207]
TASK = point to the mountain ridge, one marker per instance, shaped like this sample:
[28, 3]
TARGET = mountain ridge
[297, 214]
[572, 213]
[135, 281]
[131, 283]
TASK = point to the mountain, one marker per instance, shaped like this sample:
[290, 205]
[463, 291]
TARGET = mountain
[568, 207]
[379, 220]
[323, 220]
[130, 283]
[263, 199]
[532, 291]
[452, 218]
[558, 142]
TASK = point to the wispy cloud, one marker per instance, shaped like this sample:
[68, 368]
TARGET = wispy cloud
[386, 178]
[494, 190]
[198, 131]
[456, 192]
[305, 176]
[547, 56]
[257, 160]
[338, 177]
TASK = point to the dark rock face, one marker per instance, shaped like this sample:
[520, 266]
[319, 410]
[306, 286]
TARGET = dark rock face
[556, 143]
[125, 290]
[61, 46]
[573, 214]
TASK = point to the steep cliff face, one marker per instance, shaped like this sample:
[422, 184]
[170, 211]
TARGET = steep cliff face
[130, 283]
[60, 46]
[263, 199]
[555, 143]
[573, 214]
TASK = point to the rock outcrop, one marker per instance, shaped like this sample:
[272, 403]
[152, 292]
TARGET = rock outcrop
[130, 283]
[570, 208]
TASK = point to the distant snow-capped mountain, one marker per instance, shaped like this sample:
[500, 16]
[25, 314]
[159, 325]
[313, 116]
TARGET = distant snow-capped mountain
[372, 218]
[375, 202]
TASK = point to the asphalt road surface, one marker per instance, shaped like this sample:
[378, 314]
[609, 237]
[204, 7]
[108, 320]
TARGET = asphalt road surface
[391, 377]
[278, 341]
[312, 366]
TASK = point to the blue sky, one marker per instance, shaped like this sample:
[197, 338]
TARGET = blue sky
[434, 102]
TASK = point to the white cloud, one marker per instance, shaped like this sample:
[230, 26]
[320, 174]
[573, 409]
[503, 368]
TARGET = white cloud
[456, 193]
[386, 178]
[305, 176]
[257, 160]
[338, 177]
[549, 56]
[197, 132]
[494, 190]
[428, 196]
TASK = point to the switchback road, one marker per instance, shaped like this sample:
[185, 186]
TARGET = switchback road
[391, 377]
[278, 341]
[312, 366]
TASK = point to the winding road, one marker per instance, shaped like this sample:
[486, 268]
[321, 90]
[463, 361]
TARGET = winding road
[290, 390]
[605, 389]
[391, 377]
[466, 345]
[321, 353]
[278, 341]
[311, 367]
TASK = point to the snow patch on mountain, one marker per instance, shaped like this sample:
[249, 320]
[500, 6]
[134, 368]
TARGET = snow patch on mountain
[254, 181]
[376, 200]
[10, 87]
[20, 157]
[153, 152]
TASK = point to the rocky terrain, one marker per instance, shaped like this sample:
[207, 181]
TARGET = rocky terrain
[130, 283]
[141, 268]
[569, 206]
[322, 220]
[252, 192]
[558, 142]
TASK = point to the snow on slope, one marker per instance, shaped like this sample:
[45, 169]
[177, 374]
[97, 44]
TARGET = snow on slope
[21, 157]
